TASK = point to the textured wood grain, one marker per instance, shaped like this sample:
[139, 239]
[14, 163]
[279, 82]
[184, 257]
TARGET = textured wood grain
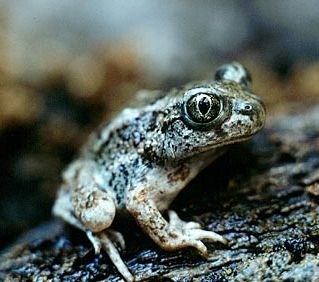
[262, 196]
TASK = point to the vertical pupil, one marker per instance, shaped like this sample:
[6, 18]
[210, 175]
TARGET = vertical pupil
[204, 105]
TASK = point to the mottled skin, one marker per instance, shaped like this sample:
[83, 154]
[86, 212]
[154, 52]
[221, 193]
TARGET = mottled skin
[142, 159]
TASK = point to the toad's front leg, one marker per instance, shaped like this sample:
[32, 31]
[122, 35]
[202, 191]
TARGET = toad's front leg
[83, 203]
[173, 235]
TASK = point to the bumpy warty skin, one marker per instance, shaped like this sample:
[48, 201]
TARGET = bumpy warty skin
[140, 139]
[139, 161]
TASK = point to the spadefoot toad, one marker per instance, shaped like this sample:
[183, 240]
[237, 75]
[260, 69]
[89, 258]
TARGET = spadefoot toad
[148, 153]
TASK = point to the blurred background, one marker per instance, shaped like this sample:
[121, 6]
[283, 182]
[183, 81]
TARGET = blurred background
[67, 65]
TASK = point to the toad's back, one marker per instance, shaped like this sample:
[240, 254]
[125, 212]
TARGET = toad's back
[114, 150]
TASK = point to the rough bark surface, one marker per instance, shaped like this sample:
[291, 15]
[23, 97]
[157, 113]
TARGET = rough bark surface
[262, 196]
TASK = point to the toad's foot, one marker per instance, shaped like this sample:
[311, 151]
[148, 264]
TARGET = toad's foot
[102, 240]
[192, 232]
[170, 236]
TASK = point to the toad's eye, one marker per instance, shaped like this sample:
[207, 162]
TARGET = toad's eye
[201, 110]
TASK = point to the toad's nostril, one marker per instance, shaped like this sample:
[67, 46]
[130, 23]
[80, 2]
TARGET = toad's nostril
[244, 108]
[248, 107]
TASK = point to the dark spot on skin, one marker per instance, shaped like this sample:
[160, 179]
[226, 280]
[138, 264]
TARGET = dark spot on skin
[179, 174]
[187, 146]
[137, 138]
[123, 170]
[169, 123]
[219, 75]
[150, 155]
[152, 122]
[244, 81]
[123, 133]
[221, 133]
[118, 197]
[111, 135]
[111, 179]
[149, 164]
[152, 126]
[135, 163]
[104, 145]
[125, 136]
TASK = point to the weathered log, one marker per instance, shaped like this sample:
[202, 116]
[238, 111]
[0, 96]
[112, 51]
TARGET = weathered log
[262, 196]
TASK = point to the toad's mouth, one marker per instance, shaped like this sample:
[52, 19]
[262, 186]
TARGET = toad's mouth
[225, 143]
[217, 148]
